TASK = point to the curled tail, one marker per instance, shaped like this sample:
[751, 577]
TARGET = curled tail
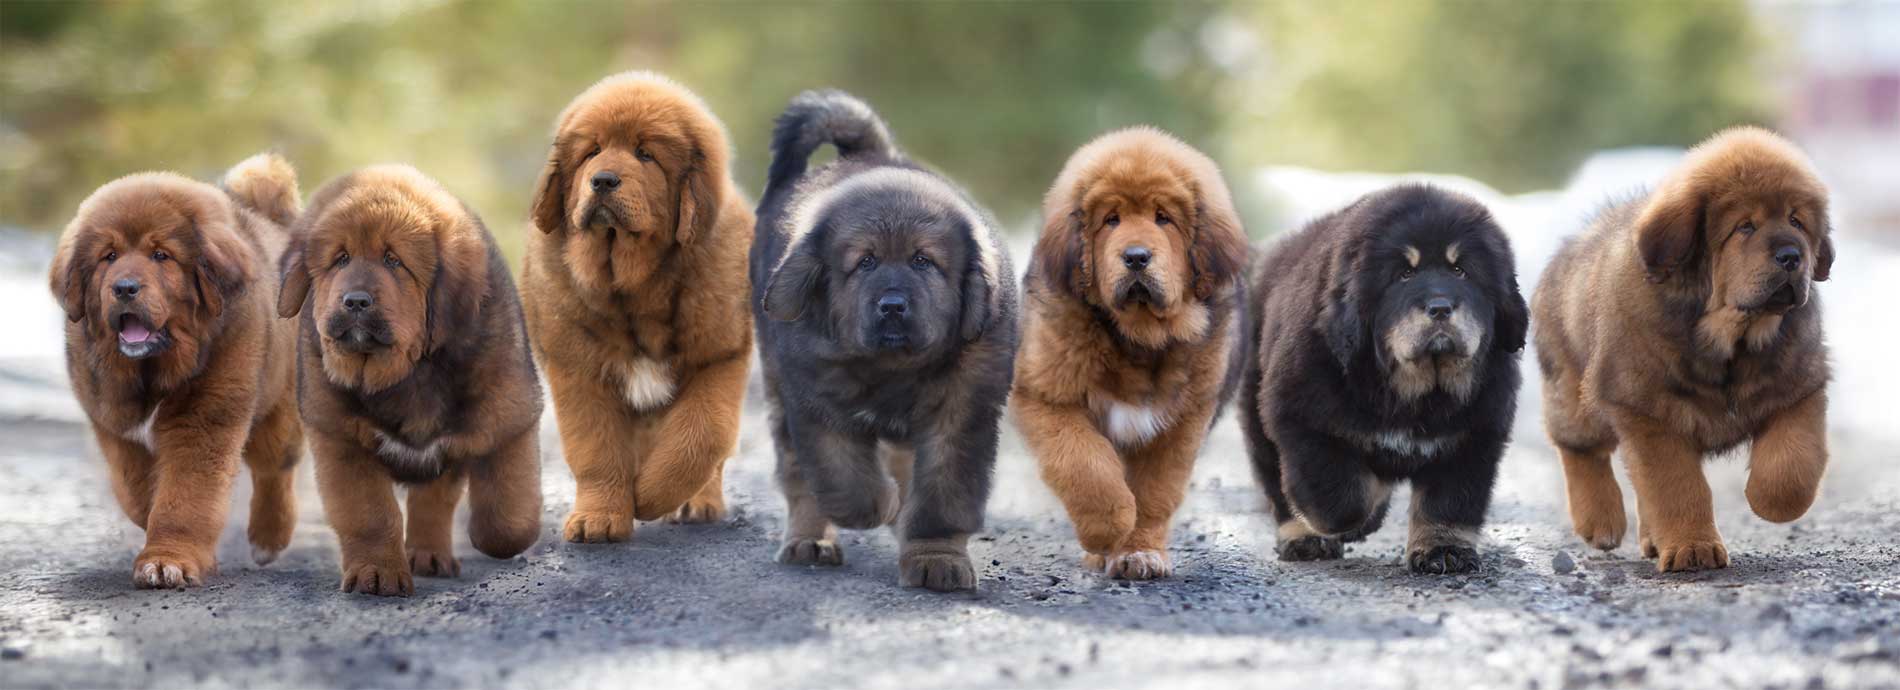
[816, 118]
[265, 183]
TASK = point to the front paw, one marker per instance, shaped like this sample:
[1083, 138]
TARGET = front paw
[595, 527]
[1443, 559]
[698, 511]
[384, 579]
[433, 563]
[1601, 529]
[1138, 565]
[1693, 554]
[937, 565]
[159, 568]
[807, 551]
[1311, 548]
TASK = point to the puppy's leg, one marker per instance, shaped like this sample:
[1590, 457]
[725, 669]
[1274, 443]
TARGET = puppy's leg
[594, 439]
[132, 476]
[1675, 505]
[698, 432]
[272, 452]
[708, 505]
[1788, 459]
[1158, 476]
[430, 542]
[360, 501]
[1083, 470]
[1596, 502]
[1450, 497]
[504, 497]
[1329, 488]
[1294, 541]
[810, 539]
[950, 487]
[192, 495]
[843, 475]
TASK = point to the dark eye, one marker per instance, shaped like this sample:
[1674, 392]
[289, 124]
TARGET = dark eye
[1112, 220]
[867, 263]
[920, 261]
[1796, 222]
[1747, 227]
[342, 259]
[591, 153]
[391, 261]
[641, 153]
[112, 256]
[160, 255]
[1458, 271]
[1161, 218]
[1407, 274]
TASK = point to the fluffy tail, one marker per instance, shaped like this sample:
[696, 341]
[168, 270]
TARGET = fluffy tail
[265, 183]
[816, 118]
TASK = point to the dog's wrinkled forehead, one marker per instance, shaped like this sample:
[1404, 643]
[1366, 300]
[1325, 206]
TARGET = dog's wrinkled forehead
[894, 193]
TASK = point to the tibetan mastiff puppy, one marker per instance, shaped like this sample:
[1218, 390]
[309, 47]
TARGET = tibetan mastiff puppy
[635, 292]
[1386, 350]
[413, 370]
[1684, 323]
[1131, 315]
[887, 328]
[168, 283]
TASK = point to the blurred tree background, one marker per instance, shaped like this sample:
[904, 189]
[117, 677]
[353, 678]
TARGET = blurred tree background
[994, 94]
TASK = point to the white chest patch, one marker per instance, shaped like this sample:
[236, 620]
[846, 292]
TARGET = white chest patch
[649, 384]
[1133, 425]
[142, 434]
[421, 459]
[1406, 444]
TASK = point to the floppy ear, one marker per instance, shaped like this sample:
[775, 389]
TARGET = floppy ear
[1668, 230]
[1824, 258]
[460, 284]
[1218, 252]
[1342, 318]
[976, 296]
[294, 280]
[699, 198]
[549, 207]
[795, 282]
[225, 266]
[1513, 320]
[1062, 253]
[70, 276]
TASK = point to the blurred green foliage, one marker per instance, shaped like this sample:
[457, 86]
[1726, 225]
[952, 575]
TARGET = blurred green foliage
[995, 94]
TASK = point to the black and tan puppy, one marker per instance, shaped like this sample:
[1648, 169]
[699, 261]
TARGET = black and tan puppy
[1684, 323]
[174, 356]
[413, 370]
[886, 314]
[1387, 350]
[1132, 313]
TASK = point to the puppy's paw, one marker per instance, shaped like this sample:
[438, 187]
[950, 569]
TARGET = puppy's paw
[1691, 555]
[1138, 565]
[1602, 530]
[169, 569]
[1443, 559]
[698, 511]
[805, 551]
[941, 565]
[433, 563]
[268, 540]
[1094, 562]
[1311, 548]
[596, 527]
[387, 579]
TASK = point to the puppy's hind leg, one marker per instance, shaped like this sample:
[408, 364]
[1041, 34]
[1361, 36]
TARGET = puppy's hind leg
[272, 452]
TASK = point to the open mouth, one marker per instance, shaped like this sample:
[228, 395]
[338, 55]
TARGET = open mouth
[136, 337]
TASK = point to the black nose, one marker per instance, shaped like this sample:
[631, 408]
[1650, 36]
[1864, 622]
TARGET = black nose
[1136, 258]
[605, 181]
[1789, 258]
[892, 306]
[358, 301]
[125, 289]
[1439, 308]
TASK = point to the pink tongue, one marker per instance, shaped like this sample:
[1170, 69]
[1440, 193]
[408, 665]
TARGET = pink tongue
[134, 332]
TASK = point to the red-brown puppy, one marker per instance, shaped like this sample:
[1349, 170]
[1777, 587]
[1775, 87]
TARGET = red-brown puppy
[173, 355]
[1685, 323]
[636, 296]
[1132, 307]
[414, 369]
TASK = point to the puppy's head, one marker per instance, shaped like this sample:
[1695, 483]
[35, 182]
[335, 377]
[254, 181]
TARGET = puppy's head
[1140, 225]
[901, 263]
[1430, 278]
[394, 267]
[636, 169]
[151, 260]
[1745, 214]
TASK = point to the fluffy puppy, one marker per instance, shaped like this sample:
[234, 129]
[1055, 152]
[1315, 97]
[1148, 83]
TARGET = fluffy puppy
[413, 370]
[635, 292]
[1683, 323]
[1132, 310]
[168, 284]
[1386, 349]
[887, 326]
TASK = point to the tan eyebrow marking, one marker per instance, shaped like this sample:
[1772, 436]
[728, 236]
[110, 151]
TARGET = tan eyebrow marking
[1451, 253]
[1411, 255]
